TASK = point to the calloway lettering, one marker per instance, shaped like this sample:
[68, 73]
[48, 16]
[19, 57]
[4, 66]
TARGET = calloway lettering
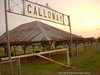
[42, 12]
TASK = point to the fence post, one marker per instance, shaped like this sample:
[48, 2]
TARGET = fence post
[7, 36]
[68, 58]
[0, 71]
[19, 66]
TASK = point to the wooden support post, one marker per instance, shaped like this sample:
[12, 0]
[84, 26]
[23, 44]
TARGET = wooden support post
[25, 51]
[33, 48]
[14, 50]
[43, 49]
[11, 50]
[5, 49]
[84, 47]
[24, 48]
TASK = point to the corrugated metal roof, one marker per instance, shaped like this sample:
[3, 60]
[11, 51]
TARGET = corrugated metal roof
[36, 31]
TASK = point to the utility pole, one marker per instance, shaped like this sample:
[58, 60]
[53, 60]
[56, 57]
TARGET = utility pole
[7, 37]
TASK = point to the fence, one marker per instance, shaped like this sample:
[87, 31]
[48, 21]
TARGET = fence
[5, 67]
[91, 51]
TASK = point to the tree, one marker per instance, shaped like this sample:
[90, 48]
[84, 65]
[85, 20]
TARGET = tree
[98, 39]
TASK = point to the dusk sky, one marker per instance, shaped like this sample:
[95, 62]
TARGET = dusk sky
[85, 16]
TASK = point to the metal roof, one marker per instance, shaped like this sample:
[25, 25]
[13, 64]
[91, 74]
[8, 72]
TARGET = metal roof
[36, 31]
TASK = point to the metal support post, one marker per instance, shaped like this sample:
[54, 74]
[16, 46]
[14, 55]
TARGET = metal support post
[7, 35]
[72, 52]
[23, 7]
[68, 58]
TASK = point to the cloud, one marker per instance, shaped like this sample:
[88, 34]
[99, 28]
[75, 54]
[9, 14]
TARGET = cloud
[98, 29]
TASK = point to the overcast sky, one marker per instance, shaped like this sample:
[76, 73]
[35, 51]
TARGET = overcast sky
[85, 16]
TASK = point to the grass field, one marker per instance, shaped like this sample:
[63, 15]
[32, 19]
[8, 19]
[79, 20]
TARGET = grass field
[88, 61]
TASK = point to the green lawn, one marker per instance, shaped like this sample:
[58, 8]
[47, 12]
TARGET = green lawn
[92, 66]
[88, 62]
[18, 52]
[2, 53]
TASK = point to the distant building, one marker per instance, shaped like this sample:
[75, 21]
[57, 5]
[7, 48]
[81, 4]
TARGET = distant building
[90, 40]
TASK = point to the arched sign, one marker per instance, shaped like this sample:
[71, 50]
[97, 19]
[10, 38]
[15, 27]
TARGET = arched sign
[34, 10]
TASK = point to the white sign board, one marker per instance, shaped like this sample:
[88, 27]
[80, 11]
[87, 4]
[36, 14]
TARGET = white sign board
[41, 12]
[34, 10]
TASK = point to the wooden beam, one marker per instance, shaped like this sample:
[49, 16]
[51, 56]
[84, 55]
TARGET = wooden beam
[34, 54]
[2, 62]
[53, 61]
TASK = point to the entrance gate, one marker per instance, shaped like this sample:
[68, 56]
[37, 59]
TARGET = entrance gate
[37, 11]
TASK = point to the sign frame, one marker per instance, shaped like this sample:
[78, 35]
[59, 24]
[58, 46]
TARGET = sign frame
[46, 7]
